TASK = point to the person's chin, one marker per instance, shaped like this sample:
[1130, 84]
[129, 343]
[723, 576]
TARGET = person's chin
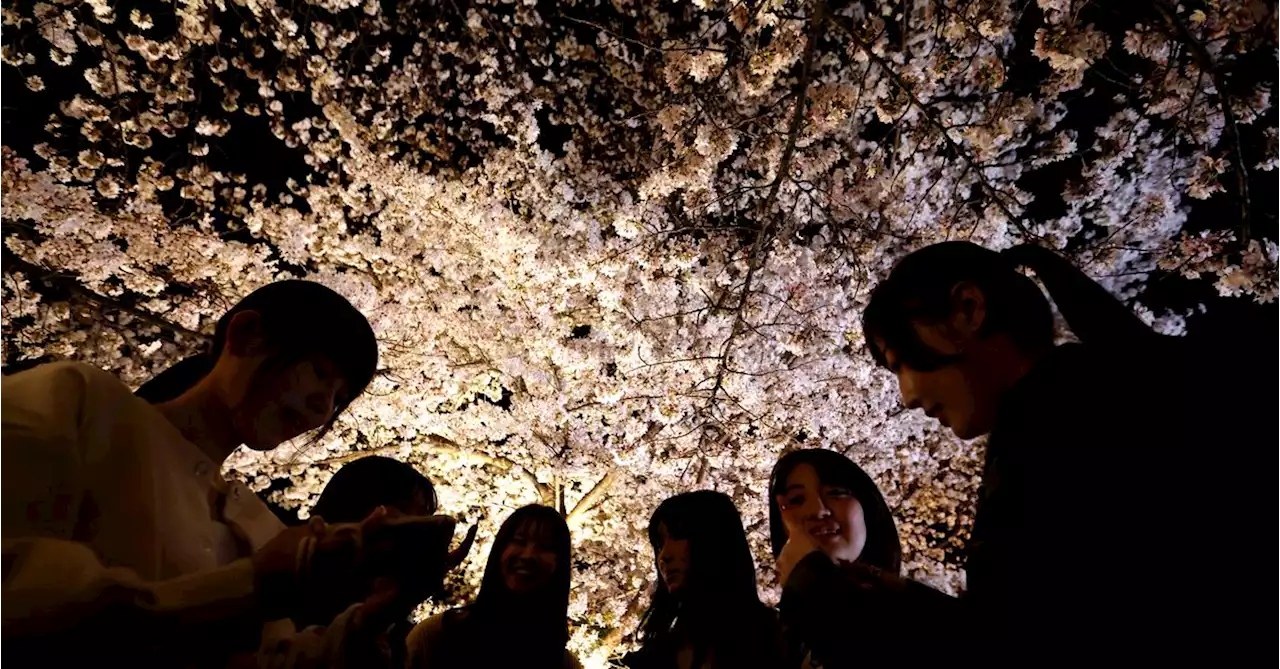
[265, 442]
[970, 429]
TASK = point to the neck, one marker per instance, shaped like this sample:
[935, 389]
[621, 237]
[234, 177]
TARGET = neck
[1006, 364]
[201, 417]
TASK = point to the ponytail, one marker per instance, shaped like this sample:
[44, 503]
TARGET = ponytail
[176, 380]
[1094, 315]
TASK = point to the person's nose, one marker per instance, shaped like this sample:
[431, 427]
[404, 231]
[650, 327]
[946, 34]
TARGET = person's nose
[907, 386]
[817, 508]
[665, 555]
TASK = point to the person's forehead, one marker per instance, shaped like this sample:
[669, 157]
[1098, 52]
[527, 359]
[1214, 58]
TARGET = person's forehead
[801, 474]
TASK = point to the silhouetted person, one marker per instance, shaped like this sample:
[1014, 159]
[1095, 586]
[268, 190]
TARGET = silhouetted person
[705, 612]
[1098, 536]
[520, 616]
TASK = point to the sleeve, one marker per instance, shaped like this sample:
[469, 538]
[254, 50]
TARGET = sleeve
[341, 644]
[826, 612]
[54, 588]
[49, 432]
[56, 431]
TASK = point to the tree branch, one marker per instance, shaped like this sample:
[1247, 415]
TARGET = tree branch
[593, 497]
[759, 248]
[14, 263]
[634, 608]
[1179, 30]
[935, 122]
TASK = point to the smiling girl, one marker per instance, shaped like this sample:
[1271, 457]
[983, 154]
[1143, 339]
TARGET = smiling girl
[520, 616]
[843, 602]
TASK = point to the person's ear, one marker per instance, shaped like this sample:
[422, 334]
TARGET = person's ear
[968, 310]
[245, 336]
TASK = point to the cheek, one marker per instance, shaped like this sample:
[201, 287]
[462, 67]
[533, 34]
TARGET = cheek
[849, 511]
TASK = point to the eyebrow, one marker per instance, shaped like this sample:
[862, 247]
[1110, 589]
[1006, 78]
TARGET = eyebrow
[791, 487]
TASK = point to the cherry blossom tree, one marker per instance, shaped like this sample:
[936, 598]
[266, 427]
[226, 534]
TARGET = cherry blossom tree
[614, 251]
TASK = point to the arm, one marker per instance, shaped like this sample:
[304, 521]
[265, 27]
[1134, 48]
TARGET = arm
[54, 586]
[346, 642]
[56, 433]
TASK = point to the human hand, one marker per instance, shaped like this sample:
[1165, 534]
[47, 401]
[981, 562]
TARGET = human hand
[276, 567]
[391, 600]
[309, 565]
[413, 550]
[799, 545]
[460, 553]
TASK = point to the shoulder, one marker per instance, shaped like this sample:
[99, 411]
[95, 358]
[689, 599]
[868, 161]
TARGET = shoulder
[61, 395]
[63, 381]
[427, 632]
[1064, 392]
[64, 372]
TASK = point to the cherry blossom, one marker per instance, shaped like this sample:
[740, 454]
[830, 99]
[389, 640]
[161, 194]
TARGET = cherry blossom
[616, 252]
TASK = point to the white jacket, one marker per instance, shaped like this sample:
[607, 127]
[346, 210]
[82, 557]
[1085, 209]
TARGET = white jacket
[119, 530]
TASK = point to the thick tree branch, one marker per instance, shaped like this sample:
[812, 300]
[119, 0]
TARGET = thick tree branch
[634, 608]
[13, 263]
[593, 497]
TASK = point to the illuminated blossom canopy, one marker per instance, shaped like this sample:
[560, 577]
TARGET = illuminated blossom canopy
[616, 250]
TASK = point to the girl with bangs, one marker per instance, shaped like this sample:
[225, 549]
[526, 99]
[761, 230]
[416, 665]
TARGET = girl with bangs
[520, 616]
[705, 612]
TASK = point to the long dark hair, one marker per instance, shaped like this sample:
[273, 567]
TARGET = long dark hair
[721, 607]
[363, 485]
[1094, 315]
[503, 626]
[920, 289]
[883, 549]
[303, 319]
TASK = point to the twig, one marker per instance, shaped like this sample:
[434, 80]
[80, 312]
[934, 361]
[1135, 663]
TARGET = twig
[1206, 64]
[932, 120]
[759, 249]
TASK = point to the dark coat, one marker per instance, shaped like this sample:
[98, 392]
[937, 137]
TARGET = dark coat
[1103, 526]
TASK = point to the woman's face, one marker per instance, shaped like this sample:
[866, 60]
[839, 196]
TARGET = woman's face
[673, 560]
[282, 404]
[828, 513]
[529, 560]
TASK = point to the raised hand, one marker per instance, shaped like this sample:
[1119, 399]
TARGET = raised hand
[799, 544]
